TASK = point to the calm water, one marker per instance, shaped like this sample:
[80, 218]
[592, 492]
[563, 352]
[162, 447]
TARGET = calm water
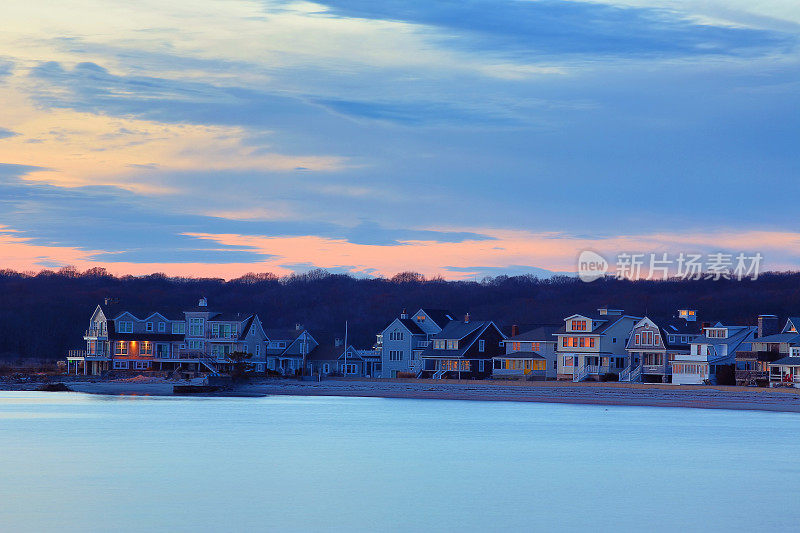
[71, 462]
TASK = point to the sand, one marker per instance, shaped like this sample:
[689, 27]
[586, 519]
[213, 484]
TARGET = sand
[707, 397]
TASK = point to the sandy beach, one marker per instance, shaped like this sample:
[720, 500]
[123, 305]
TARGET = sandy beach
[637, 394]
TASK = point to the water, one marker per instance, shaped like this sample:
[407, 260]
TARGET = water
[72, 462]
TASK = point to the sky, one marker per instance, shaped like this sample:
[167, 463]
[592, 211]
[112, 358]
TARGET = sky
[453, 138]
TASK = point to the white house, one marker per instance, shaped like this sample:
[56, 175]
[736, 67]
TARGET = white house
[715, 348]
[592, 345]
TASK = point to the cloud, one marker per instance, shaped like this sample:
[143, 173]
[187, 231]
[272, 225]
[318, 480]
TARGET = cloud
[533, 30]
[5, 133]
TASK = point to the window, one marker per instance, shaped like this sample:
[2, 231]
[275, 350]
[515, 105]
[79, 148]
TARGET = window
[195, 345]
[619, 362]
[578, 325]
[420, 318]
[638, 338]
[120, 365]
[260, 367]
[258, 349]
[535, 346]
[481, 348]
[480, 365]
[146, 348]
[162, 327]
[395, 355]
[178, 328]
[396, 335]
[516, 346]
[326, 368]
[196, 327]
[122, 348]
[454, 365]
[126, 327]
[142, 365]
[567, 360]
[148, 326]
[578, 342]
[452, 344]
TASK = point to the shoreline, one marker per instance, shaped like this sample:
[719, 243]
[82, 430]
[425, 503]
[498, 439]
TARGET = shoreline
[624, 394]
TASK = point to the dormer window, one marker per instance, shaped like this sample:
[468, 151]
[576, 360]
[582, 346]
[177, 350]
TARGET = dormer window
[148, 326]
[452, 344]
[717, 333]
[162, 327]
[439, 344]
[579, 325]
[126, 327]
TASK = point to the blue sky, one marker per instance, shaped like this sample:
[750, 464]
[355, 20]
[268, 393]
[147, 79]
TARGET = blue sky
[453, 138]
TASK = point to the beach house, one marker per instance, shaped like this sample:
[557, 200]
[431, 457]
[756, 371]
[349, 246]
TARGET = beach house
[196, 340]
[285, 350]
[711, 355]
[592, 346]
[754, 360]
[530, 355]
[654, 344]
[403, 340]
[463, 350]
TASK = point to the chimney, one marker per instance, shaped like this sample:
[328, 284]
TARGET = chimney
[404, 314]
[298, 326]
[203, 302]
[767, 325]
[514, 330]
[466, 318]
[337, 342]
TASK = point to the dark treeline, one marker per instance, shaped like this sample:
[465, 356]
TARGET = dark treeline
[43, 315]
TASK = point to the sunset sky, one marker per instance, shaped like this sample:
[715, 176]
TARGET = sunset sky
[454, 138]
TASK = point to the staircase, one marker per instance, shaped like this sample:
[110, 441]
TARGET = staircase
[631, 375]
[208, 362]
[438, 374]
[580, 373]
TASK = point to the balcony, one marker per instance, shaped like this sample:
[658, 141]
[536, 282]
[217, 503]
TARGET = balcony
[76, 354]
[223, 336]
[95, 332]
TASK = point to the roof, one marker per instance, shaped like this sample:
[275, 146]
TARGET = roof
[606, 321]
[465, 332]
[787, 361]
[327, 352]
[440, 316]
[458, 329]
[246, 327]
[543, 333]
[230, 317]
[287, 334]
[779, 338]
[520, 355]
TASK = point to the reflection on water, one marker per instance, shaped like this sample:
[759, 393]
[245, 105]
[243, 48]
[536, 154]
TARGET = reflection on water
[73, 462]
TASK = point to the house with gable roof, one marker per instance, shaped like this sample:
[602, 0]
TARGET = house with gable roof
[463, 350]
[593, 345]
[755, 361]
[197, 340]
[402, 342]
[709, 352]
[653, 344]
[530, 355]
